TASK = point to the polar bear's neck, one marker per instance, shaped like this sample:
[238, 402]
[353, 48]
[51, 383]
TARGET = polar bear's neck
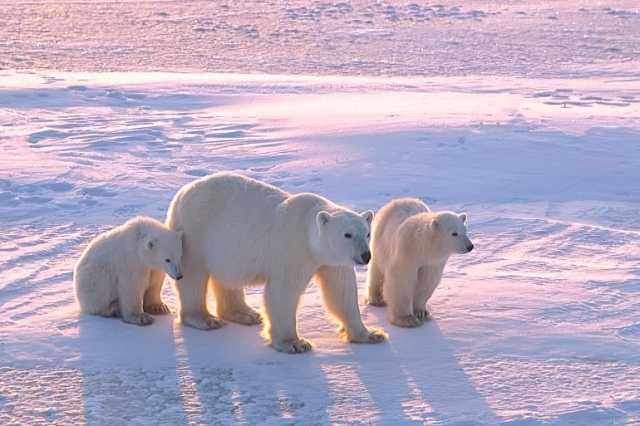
[315, 243]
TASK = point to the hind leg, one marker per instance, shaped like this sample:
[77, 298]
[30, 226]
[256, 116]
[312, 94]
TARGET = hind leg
[153, 303]
[231, 305]
[96, 290]
[113, 310]
[192, 291]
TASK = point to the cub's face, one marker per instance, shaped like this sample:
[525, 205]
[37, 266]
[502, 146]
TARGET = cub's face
[452, 228]
[344, 237]
[164, 252]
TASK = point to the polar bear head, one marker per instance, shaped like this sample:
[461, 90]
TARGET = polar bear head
[451, 232]
[343, 237]
[162, 250]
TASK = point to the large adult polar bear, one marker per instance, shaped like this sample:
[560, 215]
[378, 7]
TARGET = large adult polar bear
[240, 232]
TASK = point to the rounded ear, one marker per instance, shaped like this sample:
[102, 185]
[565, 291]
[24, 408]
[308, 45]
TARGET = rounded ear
[434, 224]
[322, 218]
[368, 216]
[150, 243]
[463, 217]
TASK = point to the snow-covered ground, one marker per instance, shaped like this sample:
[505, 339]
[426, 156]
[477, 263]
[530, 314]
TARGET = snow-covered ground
[535, 38]
[539, 325]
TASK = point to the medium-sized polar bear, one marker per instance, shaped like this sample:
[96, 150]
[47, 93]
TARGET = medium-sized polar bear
[410, 247]
[113, 276]
[240, 232]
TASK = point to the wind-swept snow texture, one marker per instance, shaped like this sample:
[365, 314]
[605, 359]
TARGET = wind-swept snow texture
[540, 324]
[533, 38]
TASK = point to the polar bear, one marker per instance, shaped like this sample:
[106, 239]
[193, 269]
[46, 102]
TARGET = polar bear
[240, 232]
[113, 276]
[410, 247]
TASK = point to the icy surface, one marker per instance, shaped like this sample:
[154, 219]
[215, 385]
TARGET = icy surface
[526, 115]
[540, 324]
[360, 37]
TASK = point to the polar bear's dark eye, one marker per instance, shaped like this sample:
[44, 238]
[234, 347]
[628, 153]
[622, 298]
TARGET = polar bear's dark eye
[455, 234]
[347, 235]
[167, 260]
[369, 235]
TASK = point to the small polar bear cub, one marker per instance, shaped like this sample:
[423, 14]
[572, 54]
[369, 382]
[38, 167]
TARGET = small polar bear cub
[113, 276]
[410, 247]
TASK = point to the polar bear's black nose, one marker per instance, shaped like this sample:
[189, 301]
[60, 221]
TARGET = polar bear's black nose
[470, 247]
[366, 257]
[178, 277]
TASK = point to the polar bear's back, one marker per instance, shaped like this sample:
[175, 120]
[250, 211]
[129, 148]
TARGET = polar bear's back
[227, 197]
[235, 224]
[112, 245]
[387, 222]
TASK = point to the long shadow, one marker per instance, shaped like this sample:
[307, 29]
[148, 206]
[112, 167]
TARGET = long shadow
[129, 372]
[416, 377]
[237, 379]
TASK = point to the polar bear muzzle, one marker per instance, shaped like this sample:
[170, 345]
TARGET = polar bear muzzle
[364, 258]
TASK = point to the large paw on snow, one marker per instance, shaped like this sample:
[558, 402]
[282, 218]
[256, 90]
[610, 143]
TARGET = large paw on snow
[157, 309]
[247, 317]
[138, 319]
[372, 335]
[422, 314]
[292, 346]
[406, 321]
[203, 322]
[376, 301]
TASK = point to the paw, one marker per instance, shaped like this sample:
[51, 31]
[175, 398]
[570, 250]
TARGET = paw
[376, 301]
[113, 310]
[157, 309]
[407, 321]
[376, 336]
[371, 335]
[249, 317]
[139, 319]
[203, 322]
[292, 346]
[422, 314]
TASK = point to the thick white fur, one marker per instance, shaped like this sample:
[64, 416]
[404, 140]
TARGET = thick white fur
[112, 277]
[240, 232]
[410, 247]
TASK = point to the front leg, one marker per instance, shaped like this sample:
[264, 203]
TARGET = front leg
[428, 279]
[399, 291]
[281, 305]
[375, 282]
[130, 292]
[152, 302]
[192, 291]
[339, 288]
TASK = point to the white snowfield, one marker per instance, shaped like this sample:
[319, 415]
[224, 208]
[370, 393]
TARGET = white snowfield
[526, 115]
[540, 324]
